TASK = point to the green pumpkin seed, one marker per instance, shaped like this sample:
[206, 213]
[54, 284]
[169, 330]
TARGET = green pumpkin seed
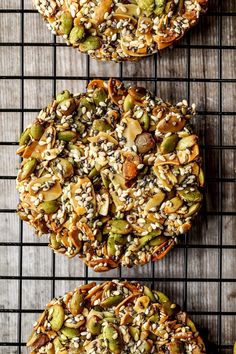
[128, 103]
[67, 107]
[62, 96]
[93, 173]
[49, 207]
[76, 303]
[36, 131]
[155, 317]
[145, 239]
[57, 317]
[176, 204]
[120, 227]
[134, 332]
[147, 6]
[99, 95]
[145, 121]
[111, 301]
[94, 325]
[157, 241]
[57, 343]
[100, 125]
[25, 137]
[168, 144]
[193, 209]
[111, 249]
[80, 127]
[160, 7]
[90, 43]
[187, 142]
[111, 334]
[234, 348]
[77, 35]
[66, 23]
[191, 196]
[66, 135]
[149, 293]
[53, 242]
[28, 168]
[70, 332]
[145, 347]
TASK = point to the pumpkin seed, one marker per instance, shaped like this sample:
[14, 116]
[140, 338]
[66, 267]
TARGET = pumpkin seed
[57, 319]
[25, 137]
[66, 23]
[190, 196]
[111, 301]
[66, 135]
[100, 125]
[120, 227]
[62, 96]
[28, 168]
[168, 144]
[76, 303]
[77, 34]
[94, 325]
[49, 207]
[111, 334]
[90, 43]
[36, 131]
[99, 95]
[69, 332]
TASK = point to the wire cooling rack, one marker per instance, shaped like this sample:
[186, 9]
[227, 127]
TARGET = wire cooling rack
[200, 273]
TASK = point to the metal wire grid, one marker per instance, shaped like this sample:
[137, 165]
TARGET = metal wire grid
[219, 346]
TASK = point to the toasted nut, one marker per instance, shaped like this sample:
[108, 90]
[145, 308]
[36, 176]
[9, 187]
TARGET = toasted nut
[28, 168]
[173, 124]
[66, 23]
[168, 144]
[57, 319]
[25, 137]
[49, 207]
[36, 131]
[77, 35]
[62, 96]
[144, 142]
[175, 347]
[120, 227]
[67, 135]
[90, 43]
[189, 195]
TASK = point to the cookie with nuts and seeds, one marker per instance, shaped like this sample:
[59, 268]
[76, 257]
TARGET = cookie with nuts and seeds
[117, 317]
[113, 174]
[121, 30]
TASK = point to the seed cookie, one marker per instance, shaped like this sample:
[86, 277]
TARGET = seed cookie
[114, 317]
[120, 30]
[112, 174]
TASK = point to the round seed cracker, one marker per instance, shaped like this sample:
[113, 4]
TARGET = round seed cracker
[121, 30]
[114, 317]
[113, 174]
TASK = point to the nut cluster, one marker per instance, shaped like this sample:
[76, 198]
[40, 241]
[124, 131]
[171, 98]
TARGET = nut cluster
[113, 174]
[114, 317]
[120, 30]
